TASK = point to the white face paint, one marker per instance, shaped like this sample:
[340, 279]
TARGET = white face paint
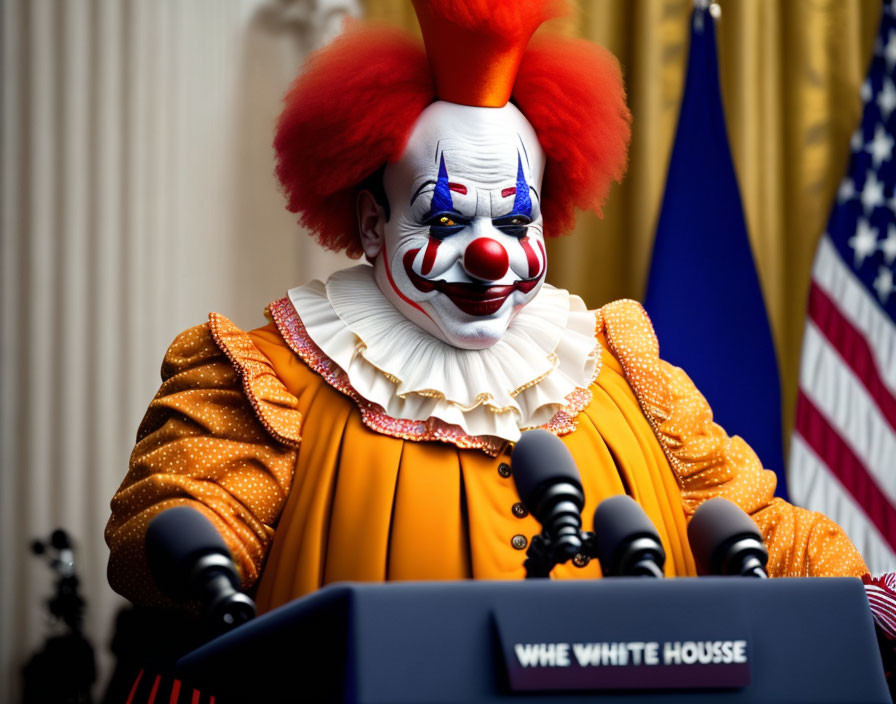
[463, 250]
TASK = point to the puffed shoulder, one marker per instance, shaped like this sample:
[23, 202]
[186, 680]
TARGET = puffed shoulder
[221, 435]
[705, 459]
[191, 362]
[708, 463]
[632, 340]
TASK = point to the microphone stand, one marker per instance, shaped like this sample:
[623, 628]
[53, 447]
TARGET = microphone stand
[544, 554]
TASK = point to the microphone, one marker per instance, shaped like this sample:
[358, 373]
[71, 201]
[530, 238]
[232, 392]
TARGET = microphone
[548, 482]
[626, 542]
[726, 541]
[188, 559]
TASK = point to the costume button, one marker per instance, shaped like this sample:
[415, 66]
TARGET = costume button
[580, 560]
[519, 542]
[504, 470]
[519, 510]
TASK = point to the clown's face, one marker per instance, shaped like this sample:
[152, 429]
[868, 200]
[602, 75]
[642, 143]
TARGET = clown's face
[463, 250]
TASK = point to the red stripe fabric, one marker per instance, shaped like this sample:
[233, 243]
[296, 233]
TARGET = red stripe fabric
[130, 699]
[846, 466]
[853, 348]
[883, 608]
[175, 692]
[155, 689]
[196, 695]
[886, 601]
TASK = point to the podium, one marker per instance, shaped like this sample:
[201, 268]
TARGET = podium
[610, 640]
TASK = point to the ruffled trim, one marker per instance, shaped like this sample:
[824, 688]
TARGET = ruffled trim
[295, 335]
[881, 593]
[632, 340]
[274, 406]
[535, 376]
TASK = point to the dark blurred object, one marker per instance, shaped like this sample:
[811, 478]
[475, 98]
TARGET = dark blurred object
[626, 542]
[881, 594]
[888, 659]
[146, 644]
[726, 541]
[64, 670]
[548, 482]
[189, 561]
[191, 565]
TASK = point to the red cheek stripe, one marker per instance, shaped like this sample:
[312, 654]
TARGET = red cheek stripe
[394, 287]
[508, 192]
[429, 257]
[531, 257]
[458, 188]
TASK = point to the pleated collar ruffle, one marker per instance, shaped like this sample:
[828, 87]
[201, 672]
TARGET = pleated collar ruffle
[538, 374]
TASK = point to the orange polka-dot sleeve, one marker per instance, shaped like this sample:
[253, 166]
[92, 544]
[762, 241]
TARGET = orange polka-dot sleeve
[708, 463]
[221, 435]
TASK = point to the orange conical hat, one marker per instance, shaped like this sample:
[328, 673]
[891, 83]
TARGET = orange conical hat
[475, 46]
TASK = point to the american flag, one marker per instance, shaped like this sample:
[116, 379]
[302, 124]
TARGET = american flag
[843, 451]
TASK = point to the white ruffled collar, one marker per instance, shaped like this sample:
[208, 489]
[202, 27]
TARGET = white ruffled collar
[548, 355]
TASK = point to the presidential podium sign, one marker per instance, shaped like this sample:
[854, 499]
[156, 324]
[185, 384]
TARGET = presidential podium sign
[626, 639]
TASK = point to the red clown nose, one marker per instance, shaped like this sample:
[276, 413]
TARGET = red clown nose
[486, 259]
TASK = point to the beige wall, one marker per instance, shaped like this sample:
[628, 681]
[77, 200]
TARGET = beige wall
[137, 195]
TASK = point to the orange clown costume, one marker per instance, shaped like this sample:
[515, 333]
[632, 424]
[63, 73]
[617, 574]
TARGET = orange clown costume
[364, 433]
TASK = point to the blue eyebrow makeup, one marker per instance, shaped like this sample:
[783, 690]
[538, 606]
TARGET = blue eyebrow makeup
[522, 202]
[441, 195]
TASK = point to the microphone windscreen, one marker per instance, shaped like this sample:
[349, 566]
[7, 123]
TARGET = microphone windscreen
[540, 459]
[718, 522]
[175, 539]
[618, 521]
[59, 539]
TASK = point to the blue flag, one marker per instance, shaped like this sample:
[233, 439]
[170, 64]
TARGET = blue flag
[703, 292]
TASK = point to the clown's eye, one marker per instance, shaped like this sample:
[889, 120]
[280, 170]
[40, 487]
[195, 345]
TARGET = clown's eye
[442, 225]
[513, 225]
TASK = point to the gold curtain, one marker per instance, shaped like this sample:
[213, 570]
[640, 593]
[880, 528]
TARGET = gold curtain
[791, 72]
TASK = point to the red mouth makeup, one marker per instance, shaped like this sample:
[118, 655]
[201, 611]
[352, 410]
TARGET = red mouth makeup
[473, 299]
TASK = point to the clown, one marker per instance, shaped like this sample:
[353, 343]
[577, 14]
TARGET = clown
[462, 256]
[364, 433]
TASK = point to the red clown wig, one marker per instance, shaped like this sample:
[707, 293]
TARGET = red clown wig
[353, 109]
